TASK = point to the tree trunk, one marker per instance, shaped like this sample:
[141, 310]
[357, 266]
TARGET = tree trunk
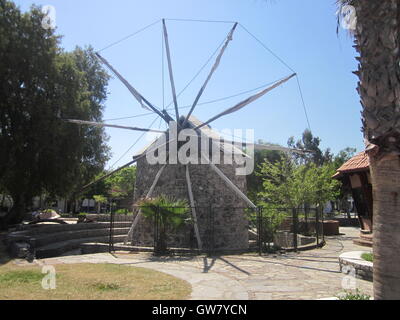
[18, 211]
[378, 43]
[3, 197]
[386, 239]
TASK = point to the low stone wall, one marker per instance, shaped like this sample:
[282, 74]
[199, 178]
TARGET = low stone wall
[351, 262]
[284, 239]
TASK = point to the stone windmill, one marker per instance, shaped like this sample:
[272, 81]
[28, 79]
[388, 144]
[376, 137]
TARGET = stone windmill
[204, 183]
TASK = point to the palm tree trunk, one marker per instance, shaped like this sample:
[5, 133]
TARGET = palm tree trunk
[386, 226]
[377, 38]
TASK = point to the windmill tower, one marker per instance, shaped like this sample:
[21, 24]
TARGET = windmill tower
[204, 185]
[215, 208]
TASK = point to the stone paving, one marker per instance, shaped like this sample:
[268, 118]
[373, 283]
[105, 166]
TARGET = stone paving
[313, 274]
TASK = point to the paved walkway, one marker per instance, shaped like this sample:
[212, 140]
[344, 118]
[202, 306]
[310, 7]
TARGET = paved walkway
[310, 274]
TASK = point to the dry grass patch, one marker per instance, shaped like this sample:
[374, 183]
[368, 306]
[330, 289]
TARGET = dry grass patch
[91, 282]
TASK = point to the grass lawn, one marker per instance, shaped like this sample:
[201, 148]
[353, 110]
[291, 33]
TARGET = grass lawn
[91, 282]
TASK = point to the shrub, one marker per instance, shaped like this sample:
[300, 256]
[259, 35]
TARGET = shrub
[368, 257]
[170, 211]
[351, 295]
[272, 219]
[121, 211]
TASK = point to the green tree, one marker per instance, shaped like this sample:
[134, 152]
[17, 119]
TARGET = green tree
[291, 185]
[319, 185]
[100, 199]
[102, 187]
[41, 85]
[343, 156]
[311, 144]
[122, 183]
[255, 180]
[280, 183]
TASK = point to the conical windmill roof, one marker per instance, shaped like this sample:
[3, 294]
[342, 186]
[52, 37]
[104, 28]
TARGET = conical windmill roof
[226, 146]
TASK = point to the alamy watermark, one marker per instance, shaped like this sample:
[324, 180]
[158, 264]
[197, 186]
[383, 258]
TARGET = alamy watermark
[348, 17]
[49, 19]
[349, 281]
[188, 146]
[49, 280]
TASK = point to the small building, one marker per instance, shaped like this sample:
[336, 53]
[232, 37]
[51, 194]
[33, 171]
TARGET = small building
[356, 178]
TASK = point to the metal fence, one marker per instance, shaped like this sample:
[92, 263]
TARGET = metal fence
[289, 229]
[217, 229]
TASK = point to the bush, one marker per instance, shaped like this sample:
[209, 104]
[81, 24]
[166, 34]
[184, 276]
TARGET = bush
[351, 295]
[272, 219]
[171, 212]
[368, 257]
[122, 211]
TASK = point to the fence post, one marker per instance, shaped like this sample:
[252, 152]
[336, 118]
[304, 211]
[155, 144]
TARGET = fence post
[212, 242]
[259, 230]
[322, 224]
[317, 227]
[111, 240]
[156, 229]
[295, 227]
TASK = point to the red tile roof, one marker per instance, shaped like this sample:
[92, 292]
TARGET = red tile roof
[359, 162]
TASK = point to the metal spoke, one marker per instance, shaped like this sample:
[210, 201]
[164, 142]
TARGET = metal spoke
[246, 102]
[229, 183]
[193, 208]
[99, 124]
[213, 69]
[143, 102]
[171, 76]
[108, 175]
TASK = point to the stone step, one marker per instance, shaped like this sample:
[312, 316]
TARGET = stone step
[366, 236]
[35, 230]
[58, 248]
[45, 239]
[90, 248]
[69, 219]
[253, 244]
[363, 242]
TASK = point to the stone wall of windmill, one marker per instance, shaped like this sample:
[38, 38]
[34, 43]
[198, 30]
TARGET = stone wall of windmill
[220, 213]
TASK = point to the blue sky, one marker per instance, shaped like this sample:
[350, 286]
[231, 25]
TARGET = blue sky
[302, 33]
